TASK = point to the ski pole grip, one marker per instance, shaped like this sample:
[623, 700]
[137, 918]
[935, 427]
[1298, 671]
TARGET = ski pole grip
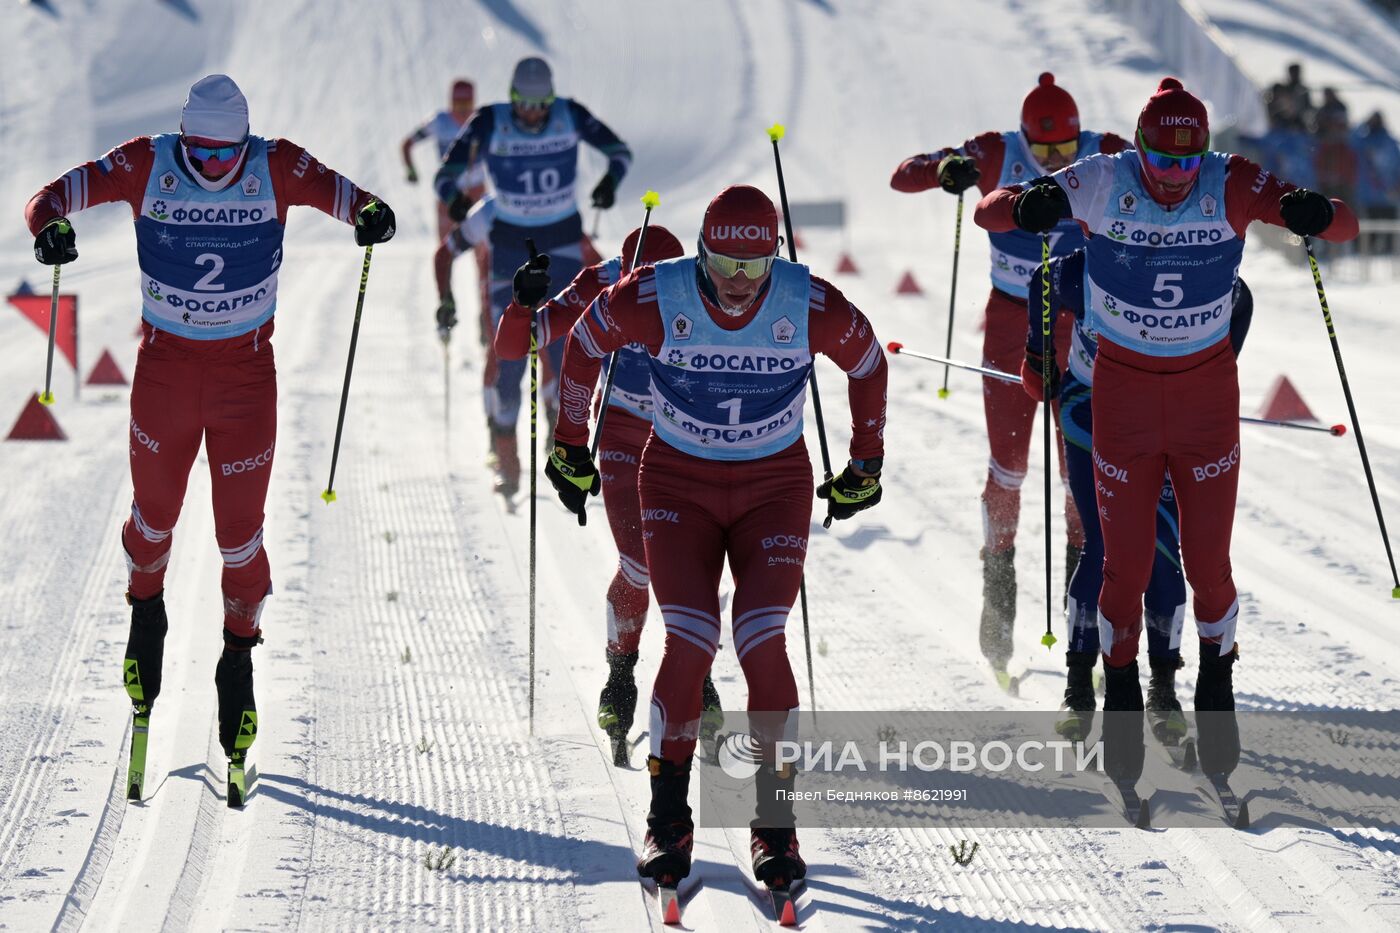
[530, 245]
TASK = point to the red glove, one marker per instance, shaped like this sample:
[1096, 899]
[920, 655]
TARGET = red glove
[1033, 380]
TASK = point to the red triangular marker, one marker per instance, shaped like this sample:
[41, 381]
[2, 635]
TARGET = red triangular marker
[37, 307]
[36, 423]
[106, 372]
[1283, 403]
[907, 286]
[845, 266]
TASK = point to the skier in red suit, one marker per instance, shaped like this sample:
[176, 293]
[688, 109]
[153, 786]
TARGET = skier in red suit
[209, 205]
[625, 432]
[730, 337]
[1049, 139]
[1167, 225]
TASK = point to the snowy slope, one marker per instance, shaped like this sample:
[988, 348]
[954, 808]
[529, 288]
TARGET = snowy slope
[394, 679]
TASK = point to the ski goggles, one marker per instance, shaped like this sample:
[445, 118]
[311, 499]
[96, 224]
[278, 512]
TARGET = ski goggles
[531, 103]
[224, 152]
[1065, 150]
[726, 267]
[1166, 161]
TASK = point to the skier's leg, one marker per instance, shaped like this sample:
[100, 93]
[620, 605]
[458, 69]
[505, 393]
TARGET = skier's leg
[619, 453]
[1164, 611]
[1074, 525]
[1009, 413]
[1082, 599]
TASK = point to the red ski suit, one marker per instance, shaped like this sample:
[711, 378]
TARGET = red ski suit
[619, 455]
[1009, 412]
[1180, 414]
[221, 391]
[696, 512]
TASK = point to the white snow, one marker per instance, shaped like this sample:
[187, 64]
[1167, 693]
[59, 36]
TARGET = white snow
[393, 684]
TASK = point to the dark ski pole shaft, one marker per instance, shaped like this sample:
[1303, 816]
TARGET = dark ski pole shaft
[47, 397]
[329, 494]
[952, 293]
[1047, 360]
[446, 387]
[534, 455]
[1351, 410]
[775, 133]
[651, 199]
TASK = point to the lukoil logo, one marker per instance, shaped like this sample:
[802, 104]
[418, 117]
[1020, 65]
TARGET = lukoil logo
[661, 515]
[1109, 470]
[738, 232]
[1179, 121]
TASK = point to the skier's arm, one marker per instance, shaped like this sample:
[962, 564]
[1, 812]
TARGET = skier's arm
[838, 330]
[601, 137]
[1110, 143]
[625, 313]
[1085, 184]
[1252, 193]
[418, 135]
[556, 316]
[463, 153]
[120, 175]
[476, 228]
[299, 179]
[921, 172]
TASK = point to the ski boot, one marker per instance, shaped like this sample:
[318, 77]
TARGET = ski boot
[1217, 731]
[1072, 554]
[776, 859]
[141, 670]
[1079, 703]
[1122, 723]
[1163, 708]
[711, 715]
[998, 612]
[670, 831]
[617, 705]
[507, 460]
[238, 713]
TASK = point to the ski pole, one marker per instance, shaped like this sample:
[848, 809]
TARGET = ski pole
[650, 200]
[534, 454]
[329, 494]
[47, 397]
[897, 348]
[775, 133]
[1047, 360]
[952, 293]
[446, 387]
[1351, 410]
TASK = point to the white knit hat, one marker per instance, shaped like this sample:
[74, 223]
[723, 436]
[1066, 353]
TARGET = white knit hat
[215, 109]
[532, 79]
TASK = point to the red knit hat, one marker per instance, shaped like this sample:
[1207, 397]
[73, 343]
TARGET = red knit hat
[1174, 120]
[741, 222]
[661, 244]
[1049, 114]
[462, 89]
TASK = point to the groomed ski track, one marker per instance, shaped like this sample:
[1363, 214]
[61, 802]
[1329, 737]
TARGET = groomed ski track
[393, 682]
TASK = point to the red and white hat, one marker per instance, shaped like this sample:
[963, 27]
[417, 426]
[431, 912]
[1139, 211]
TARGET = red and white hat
[740, 222]
[1049, 114]
[1174, 120]
[462, 89]
[661, 244]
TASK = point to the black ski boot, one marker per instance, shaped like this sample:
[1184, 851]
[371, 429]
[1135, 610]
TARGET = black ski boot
[1217, 732]
[670, 831]
[617, 705]
[711, 715]
[998, 611]
[773, 849]
[1079, 702]
[238, 713]
[1163, 708]
[145, 651]
[1072, 554]
[1122, 722]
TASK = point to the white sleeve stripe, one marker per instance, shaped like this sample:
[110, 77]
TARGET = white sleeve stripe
[868, 362]
[590, 346]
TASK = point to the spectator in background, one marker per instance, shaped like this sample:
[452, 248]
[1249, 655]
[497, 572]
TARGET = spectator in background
[1286, 149]
[1290, 101]
[1329, 116]
[1377, 177]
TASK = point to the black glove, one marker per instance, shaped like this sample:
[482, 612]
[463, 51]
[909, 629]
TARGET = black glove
[462, 203]
[1305, 212]
[1033, 380]
[446, 316]
[374, 224]
[570, 470]
[56, 243]
[848, 493]
[1039, 208]
[606, 193]
[957, 173]
[532, 281]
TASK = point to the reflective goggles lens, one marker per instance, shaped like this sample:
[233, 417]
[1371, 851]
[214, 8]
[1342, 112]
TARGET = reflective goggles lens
[531, 103]
[1065, 150]
[726, 267]
[1165, 161]
[214, 153]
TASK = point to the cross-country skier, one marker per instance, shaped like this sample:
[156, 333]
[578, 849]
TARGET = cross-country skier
[1165, 600]
[209, 204]
[730, 337]
[1168, 223]
[625, 431]
[530, 149]
[1049, 139]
